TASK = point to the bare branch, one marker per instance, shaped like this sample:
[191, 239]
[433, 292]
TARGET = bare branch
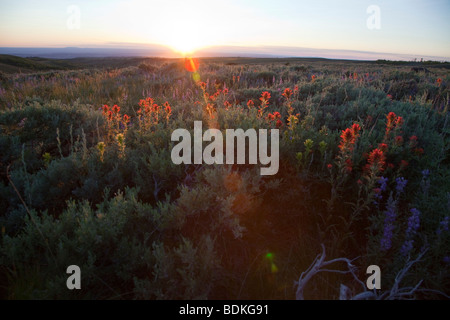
[396, 292]
[365, 295]
[402, 273]
[318, 266]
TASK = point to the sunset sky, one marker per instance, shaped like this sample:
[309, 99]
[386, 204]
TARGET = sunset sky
[416, 27]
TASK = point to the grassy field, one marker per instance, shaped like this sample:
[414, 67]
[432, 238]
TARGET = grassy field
[86, 178]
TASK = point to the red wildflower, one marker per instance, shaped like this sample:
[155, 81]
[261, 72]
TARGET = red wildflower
[439, 81]
[144, 102]
[376, 160]
[295, 88]
[356, 128]
[348, 139]
[279, 123]
[383, 147]
[227, 104]
[329, 166]
[313, 78]
[349, 165]
[202, 85]
[398, 140]
[105, 109]
[116, 109]
[389, 96]
[419, 151]
[393, 122]
[155, 107]
[412, 141]
[403, 164]
[287, 93]
[167, 108]
[110, 115]
[225, 91]
[399, 122]
[347, 135]
[271, 117]
[391, 118]
[126, 118]
[265, 96]
[277, 115]
[250, 104]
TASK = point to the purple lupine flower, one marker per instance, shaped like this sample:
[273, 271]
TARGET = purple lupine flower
[413, 221]
[389, 221]
[413, 226]
[383, 183]
[386, 241]
[377, 194]
[425, 173]
[401, 184]
[407, 247]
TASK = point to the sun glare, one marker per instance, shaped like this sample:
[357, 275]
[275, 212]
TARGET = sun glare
[184, 31]
[185, 38]
[186, 28]
[184, 46]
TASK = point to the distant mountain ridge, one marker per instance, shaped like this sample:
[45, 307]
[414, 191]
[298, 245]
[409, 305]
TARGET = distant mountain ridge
[13, 64]
[152, 50]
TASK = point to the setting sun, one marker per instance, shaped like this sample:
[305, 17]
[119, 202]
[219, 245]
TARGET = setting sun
[185, 30]
[185, 39]
[184, 35]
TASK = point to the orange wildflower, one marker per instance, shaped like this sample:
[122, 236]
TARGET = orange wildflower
[116, 109]
[376, 160]
[265, 96]
[287, 93]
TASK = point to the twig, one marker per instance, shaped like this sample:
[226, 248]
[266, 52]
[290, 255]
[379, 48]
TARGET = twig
[402, 273]
[318, 266]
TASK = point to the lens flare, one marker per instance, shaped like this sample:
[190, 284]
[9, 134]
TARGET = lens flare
[191, 64]
[196, 76]
[273, 266]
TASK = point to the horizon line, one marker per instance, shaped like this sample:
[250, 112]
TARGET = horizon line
[248, 51]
